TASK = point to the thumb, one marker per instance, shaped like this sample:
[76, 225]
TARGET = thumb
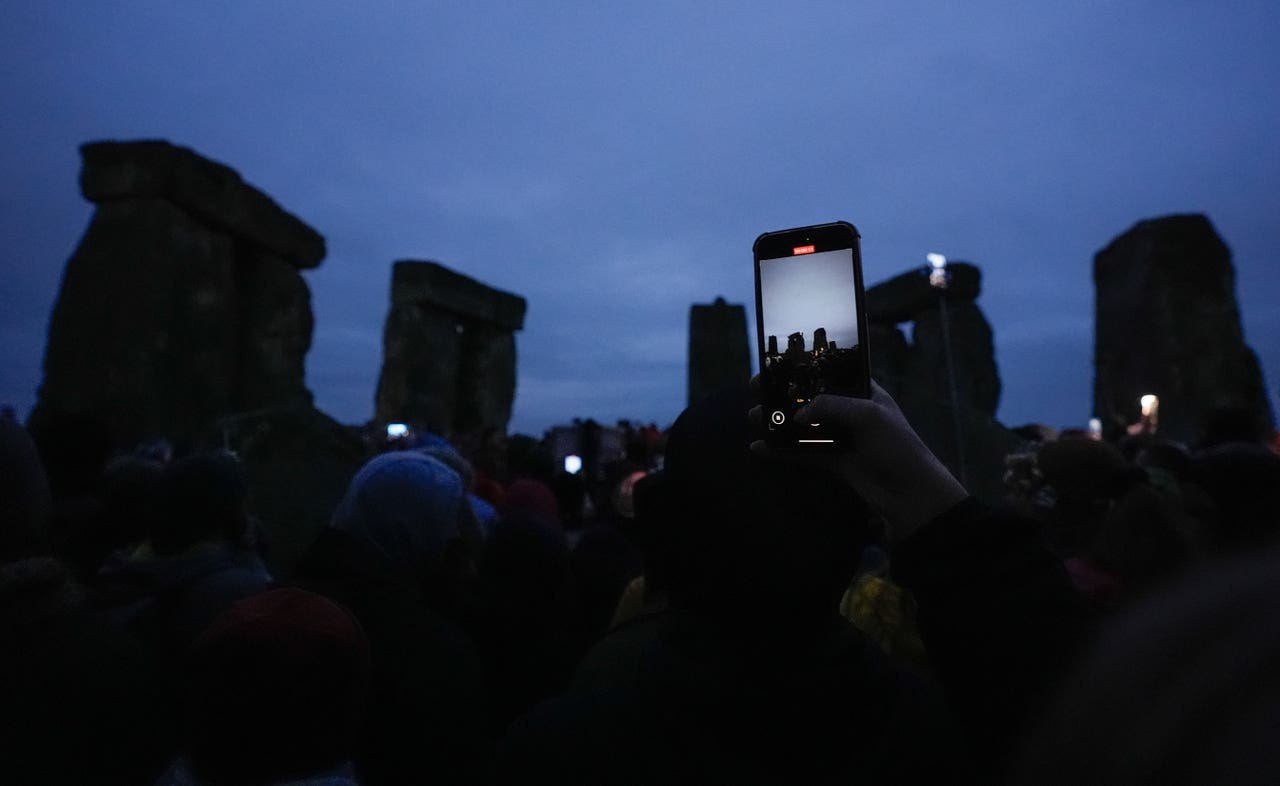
[844, 415]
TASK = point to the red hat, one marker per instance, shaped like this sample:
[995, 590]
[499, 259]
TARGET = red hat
[279, 683]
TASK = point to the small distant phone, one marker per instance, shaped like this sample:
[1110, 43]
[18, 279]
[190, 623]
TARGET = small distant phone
[397, 430]
[811, 327]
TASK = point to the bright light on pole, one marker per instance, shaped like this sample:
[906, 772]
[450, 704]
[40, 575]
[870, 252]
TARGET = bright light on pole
[1150, 412]
[938, 278]
[1149, 403]
[938, 270]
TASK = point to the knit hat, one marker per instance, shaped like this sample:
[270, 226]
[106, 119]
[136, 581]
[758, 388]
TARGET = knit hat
[532, 499]
[406, 504]
[278, 683]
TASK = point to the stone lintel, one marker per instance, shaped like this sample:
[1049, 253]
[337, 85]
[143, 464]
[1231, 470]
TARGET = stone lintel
[433, 284]
[209, 191]
[902, 297]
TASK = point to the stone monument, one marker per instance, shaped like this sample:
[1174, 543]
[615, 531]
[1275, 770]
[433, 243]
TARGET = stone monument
[183, 316]
[183, 302]
[719, 352]
[449, 352]
[951, 344]
[1168, 324]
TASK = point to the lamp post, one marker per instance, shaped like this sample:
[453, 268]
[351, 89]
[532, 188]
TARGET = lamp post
[938, 279]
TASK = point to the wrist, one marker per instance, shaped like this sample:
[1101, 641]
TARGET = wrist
[923, 505]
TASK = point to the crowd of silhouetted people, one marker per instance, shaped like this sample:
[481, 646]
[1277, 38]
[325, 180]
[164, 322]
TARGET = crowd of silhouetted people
[703, 608]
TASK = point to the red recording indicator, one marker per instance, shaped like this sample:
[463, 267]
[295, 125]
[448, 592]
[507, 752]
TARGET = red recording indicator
[798, 250]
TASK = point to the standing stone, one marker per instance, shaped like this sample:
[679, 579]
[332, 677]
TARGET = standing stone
[183, 302]
[917, 374]
[890, 354]
[449, 354]
[719, 353]
[905, 295]
[972, 350]
[182, 315]
[909, 297]
[486, 378]
[276, 325]
[1168, 324]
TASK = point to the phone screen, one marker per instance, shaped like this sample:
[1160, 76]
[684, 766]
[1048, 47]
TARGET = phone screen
[810, 323]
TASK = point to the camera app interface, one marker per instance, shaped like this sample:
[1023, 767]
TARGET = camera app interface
[809, 309]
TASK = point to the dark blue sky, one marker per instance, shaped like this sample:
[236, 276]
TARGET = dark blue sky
[613, 165]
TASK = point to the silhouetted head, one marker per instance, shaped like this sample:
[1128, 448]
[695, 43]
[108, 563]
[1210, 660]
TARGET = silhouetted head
[1227, 425]
[131, 488]
[24, 495]
[439, 448]
[532, 499]
[412, 508]
[73, 448]
[526, 561]
[769, 542]
[529, 458]
[1107, 510]
[1243, 483]
[652, 510]
[604, 562]
[278, 686]
[202, 500]
[1167, 456]
[1181, 689]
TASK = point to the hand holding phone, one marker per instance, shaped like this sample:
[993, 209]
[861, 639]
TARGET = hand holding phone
[811, 327]
[880, 457]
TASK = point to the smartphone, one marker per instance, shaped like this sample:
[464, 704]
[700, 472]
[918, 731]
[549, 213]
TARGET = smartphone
[811, 327]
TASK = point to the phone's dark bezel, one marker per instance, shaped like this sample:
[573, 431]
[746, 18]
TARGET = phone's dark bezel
[837, 235]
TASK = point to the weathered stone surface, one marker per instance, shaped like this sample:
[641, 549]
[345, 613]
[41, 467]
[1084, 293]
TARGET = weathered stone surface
[275, 329]
[890, 354]
[182, 315]
[433, 284]
[137, 337]
[1167, 323]
[166, 322]
[719, 353]
[449, 358]
[973, 355]
[214, 194]
[969, 441]
[298, 462]
[486, 378]
[902, 297]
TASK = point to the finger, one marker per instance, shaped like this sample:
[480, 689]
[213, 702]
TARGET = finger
[839, 411]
